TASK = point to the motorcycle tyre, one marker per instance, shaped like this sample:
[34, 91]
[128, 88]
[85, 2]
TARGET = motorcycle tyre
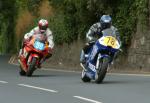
[103, 70]
[31, 67]
[22, 72]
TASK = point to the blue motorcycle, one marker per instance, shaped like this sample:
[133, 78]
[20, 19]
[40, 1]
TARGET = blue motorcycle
[99, 57]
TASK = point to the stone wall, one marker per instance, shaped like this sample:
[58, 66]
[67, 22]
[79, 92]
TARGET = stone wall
[138, 56]
[137, 59]
[139, 52]
[66, 56]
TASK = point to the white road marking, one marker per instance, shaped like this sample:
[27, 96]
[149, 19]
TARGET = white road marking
[4, 82]
[39, 88]
[86, 99]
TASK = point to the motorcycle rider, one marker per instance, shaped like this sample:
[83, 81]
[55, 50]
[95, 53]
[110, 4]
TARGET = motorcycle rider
[42, 28]
[96, 30]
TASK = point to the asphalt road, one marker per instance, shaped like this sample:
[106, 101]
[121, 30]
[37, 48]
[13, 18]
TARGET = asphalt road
[49, 86]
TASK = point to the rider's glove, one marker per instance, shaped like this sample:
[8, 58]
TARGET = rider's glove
[26, 41]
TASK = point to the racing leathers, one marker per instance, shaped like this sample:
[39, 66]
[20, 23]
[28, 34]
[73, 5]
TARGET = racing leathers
[49, 36]
[92, 35]
[36, 30]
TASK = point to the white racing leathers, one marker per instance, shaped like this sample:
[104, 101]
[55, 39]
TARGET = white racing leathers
[48, 33]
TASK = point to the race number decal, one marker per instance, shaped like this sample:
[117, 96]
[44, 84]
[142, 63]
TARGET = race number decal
[39, 46]
[110, 41]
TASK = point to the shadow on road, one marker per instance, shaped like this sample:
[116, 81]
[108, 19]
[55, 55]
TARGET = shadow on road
[44, 75]
[115, 82]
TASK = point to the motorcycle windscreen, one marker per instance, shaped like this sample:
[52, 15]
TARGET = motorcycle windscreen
[39, 46]
[109, 39]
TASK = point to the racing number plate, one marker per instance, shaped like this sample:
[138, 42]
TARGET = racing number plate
[38, 45]
[110, 41]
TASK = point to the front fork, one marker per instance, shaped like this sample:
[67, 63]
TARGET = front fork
[97, 62]
[31, 57]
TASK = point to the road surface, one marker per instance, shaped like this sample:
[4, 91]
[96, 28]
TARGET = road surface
[50, 86]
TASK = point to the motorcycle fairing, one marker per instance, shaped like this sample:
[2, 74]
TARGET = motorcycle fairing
[105, 51]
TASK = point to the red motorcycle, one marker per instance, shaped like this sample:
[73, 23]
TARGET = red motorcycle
[33, 52]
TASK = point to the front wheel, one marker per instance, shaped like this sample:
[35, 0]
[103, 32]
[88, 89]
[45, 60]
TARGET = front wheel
[31, 67]
[102, 69]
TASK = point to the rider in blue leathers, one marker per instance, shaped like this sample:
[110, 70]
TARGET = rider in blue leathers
[96, 30]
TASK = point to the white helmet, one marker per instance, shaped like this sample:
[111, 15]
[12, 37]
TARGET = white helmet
[43, 25]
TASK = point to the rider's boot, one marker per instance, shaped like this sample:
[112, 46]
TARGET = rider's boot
[43, 60]
[39, 65]
[82, 60]
[111, 61]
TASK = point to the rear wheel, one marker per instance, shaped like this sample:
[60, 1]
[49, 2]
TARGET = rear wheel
[31, 67]
[102, 70]
[84, 77]
[22, 72]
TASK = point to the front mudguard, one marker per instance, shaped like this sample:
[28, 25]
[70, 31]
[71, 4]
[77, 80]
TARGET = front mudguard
[32, 66]
[102, 69]
[100, 58]
[92, 72]
[33, 56]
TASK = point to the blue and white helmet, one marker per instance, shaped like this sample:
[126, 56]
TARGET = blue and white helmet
[105, 21]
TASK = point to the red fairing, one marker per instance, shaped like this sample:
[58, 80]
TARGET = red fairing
[23, 63]
[29, 52]
[31, 57]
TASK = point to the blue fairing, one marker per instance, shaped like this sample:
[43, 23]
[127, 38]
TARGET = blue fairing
[102, 47]
[99, 49]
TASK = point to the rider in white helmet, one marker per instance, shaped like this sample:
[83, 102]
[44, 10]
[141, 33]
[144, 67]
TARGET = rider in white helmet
[42, 28]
